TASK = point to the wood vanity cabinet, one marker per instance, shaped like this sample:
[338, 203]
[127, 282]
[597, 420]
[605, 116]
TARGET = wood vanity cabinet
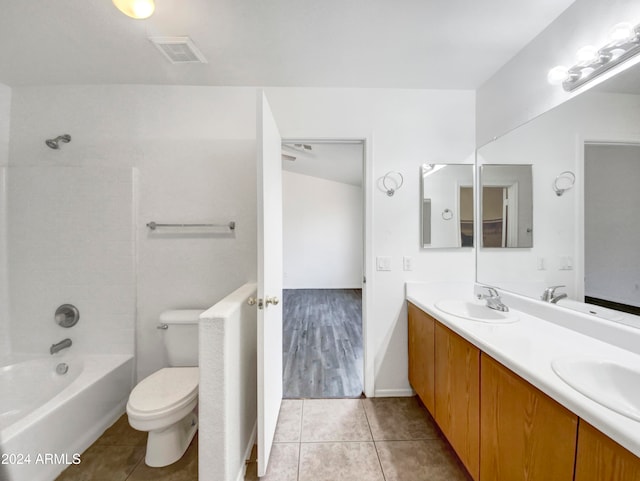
[599, 458]
[421, 355]
[457, 395]
[525, 435]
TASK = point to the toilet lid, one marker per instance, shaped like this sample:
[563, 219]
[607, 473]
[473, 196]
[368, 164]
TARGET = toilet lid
[164, 389]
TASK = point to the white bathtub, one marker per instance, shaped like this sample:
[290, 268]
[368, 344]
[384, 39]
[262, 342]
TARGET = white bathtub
[47, 419]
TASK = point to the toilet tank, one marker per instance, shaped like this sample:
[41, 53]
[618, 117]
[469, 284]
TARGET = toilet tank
[181, 336]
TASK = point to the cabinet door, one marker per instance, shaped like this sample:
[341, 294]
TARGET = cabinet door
[600, 458]
[525, 434]
[457, 395]
[421, 355]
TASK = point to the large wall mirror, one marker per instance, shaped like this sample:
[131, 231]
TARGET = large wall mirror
[446, 209]
[507, 205]
[585, 158]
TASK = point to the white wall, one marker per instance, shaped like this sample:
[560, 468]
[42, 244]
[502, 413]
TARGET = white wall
[322, 233]
[5, 114]
[519, 91]
[611, 229]
[553, 143]
[193, 148]
[404, 128]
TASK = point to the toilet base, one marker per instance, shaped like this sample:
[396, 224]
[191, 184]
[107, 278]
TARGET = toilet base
[166, 446]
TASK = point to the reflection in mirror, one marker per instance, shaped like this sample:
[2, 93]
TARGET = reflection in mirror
[446, 209]
[587, 238]
[507, 206]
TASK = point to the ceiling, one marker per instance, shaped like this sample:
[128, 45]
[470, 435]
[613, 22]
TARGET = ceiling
[339, 162]
[453, 44]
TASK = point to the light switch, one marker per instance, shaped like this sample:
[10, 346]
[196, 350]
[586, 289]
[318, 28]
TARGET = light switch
[566, 263]
[383, 263]
[407, 263]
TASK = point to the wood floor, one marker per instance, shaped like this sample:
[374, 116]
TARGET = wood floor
[322, 343]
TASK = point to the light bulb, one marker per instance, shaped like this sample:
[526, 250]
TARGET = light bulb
[587, 54]
[558, 74]
[139, 9]
[621, 31]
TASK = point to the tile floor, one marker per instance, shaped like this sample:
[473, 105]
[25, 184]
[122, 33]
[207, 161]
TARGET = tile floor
[380, 439]
[118, 455]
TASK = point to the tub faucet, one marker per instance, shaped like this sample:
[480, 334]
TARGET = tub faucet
[493, 299]
[549, 294]
[60, 346]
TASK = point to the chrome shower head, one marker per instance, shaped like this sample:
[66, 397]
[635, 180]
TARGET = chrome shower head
[54, 143]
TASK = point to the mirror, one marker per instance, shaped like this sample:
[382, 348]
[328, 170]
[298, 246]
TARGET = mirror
[446, 205]
[506, 206]
[585, 157]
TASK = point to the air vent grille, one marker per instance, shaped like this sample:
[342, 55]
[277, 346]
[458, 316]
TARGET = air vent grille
[178, 49]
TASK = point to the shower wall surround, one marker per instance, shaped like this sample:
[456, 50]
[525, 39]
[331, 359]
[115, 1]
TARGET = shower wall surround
[70, 240]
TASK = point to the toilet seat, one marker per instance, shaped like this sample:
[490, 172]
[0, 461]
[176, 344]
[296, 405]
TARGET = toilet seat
[164, 392]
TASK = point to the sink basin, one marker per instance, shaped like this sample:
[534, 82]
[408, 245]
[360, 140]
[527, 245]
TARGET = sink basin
[613, 385]
[474, 311]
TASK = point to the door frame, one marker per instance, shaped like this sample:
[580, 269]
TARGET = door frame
[367, 241]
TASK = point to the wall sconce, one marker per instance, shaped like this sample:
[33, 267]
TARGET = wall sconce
[624, 43]
[138, 9]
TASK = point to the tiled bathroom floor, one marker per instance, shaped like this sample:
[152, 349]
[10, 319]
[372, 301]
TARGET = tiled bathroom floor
[379, 439]
[118, 455]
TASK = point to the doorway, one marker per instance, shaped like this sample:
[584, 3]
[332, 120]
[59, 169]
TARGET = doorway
[323, 240]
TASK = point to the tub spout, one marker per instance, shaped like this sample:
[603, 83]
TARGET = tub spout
[60, 346]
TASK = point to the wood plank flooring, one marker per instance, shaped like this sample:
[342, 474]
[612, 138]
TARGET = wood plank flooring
[322, 343]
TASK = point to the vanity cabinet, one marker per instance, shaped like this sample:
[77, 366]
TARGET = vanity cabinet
[422, 355]
[457, 395]
[525, 435]
[600, 458]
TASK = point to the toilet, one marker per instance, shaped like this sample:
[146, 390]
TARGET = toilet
[165, 403]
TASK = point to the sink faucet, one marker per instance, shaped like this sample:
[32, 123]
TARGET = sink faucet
[493, 299]
[60, 346]
[549, 294]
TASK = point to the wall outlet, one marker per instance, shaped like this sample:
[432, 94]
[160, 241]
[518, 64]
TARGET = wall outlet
[566, 263]
[383, 263]
[407, 263]
[541, 263]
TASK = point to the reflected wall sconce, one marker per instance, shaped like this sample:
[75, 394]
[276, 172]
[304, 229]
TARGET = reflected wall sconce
[392, 181]
[564, 181]
[138, 9]
[624, 43]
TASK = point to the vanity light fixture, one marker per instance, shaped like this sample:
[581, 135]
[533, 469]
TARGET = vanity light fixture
[138, 9]
[624, 43]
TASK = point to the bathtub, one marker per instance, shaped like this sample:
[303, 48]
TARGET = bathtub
[48, 419]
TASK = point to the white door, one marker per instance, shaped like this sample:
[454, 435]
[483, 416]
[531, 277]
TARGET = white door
[269, 279]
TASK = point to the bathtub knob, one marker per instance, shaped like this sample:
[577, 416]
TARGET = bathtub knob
[67, 315]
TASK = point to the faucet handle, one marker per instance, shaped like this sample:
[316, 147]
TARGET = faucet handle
[550, 291]
[490, 292]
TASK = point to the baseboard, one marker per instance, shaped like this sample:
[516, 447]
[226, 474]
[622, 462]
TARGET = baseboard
[394, 392]
[247, 453]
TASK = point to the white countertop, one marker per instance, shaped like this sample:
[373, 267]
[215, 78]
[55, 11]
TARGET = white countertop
[528, 346]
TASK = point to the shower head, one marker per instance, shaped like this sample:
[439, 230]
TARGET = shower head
[54, 143]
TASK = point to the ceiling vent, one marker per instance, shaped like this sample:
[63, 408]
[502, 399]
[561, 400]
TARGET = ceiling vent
[179, 49]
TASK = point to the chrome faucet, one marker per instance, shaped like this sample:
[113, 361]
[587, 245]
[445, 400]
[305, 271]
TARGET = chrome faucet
[549, 294]
[65, 343]
[493, 299]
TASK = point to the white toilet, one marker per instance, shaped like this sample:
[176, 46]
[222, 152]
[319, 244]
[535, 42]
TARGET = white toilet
[165, 403]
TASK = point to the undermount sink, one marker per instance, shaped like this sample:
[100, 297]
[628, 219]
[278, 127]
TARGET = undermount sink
[474, 311]
[613, 385]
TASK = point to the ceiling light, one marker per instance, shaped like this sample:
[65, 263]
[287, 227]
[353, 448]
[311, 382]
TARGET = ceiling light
[139, 9]
[592, 62]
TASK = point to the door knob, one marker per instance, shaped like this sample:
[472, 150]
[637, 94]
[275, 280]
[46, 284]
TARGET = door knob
[252, 301]
[272, 300]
